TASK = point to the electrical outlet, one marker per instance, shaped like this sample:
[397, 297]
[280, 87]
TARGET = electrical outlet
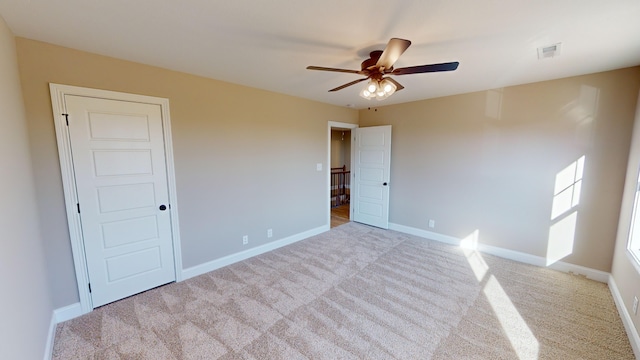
[635, 305]
[269, 233]
[245, 240]
[432, 223]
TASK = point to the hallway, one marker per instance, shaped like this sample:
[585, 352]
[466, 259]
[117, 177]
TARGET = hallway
[340, 215]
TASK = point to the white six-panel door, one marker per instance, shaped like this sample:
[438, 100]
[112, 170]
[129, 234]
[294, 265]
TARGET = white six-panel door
[121, 183]
[370, 199]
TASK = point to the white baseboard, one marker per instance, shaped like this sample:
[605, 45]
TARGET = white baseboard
[233, 258]
[592, 274]
[425, 234]
[57, 316]
[67, 313]
[632, 333]
[48, 349]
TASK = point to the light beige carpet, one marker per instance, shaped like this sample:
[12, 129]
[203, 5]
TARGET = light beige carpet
[358, 292]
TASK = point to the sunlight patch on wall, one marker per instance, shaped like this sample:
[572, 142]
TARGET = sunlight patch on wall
[561, 238]
[566, 193]
[566, 197]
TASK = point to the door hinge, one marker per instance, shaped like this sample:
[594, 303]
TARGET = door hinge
[89, 287]
[78, 207]
[66, 116]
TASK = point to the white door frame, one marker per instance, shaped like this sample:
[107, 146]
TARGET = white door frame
[339, 125]
[58, 93]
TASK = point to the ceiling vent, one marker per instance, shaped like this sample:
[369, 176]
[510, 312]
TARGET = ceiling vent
[549, 51]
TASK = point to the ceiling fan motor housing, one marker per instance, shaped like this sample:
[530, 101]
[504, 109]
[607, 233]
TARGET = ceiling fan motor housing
[370, 64]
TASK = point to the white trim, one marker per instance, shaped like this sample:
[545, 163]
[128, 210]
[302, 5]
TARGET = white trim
[68, 180]
[67, 313]
[632, 333]
[57, 316]
[425, 234]
[340, 125]
[171, 185]
[634, 258]
[51, 336]
[632, 243]
[234, 258]
[592, 274]
[68, 184]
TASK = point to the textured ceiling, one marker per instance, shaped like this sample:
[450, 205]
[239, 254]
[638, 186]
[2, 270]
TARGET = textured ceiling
[268, 44]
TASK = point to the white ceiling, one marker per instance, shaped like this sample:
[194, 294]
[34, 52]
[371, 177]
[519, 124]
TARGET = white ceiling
[268, 44]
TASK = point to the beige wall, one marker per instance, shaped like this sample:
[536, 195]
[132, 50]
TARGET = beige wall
[245, 158]
[626, 277]
[488, 161]
[483, 161]
[26, 298]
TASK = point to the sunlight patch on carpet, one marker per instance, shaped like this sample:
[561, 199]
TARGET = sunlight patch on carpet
[524, 343]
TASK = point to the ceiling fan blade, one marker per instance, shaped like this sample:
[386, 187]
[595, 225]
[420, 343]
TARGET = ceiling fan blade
[348, 84]
[392, 52]
[397, 84]
[450, 66]
[333, 69]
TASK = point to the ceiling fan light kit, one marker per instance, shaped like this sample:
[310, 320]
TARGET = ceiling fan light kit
[380, 64]
[379, 90]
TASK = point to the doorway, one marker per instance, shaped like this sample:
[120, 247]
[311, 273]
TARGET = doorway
[119, 184]
[339, 160]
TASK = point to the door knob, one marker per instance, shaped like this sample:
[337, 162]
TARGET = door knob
[384, 184]
[163, 207]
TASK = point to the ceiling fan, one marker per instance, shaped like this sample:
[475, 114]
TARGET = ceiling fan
[380, 64]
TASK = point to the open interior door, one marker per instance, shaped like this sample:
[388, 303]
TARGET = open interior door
[370, 198]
